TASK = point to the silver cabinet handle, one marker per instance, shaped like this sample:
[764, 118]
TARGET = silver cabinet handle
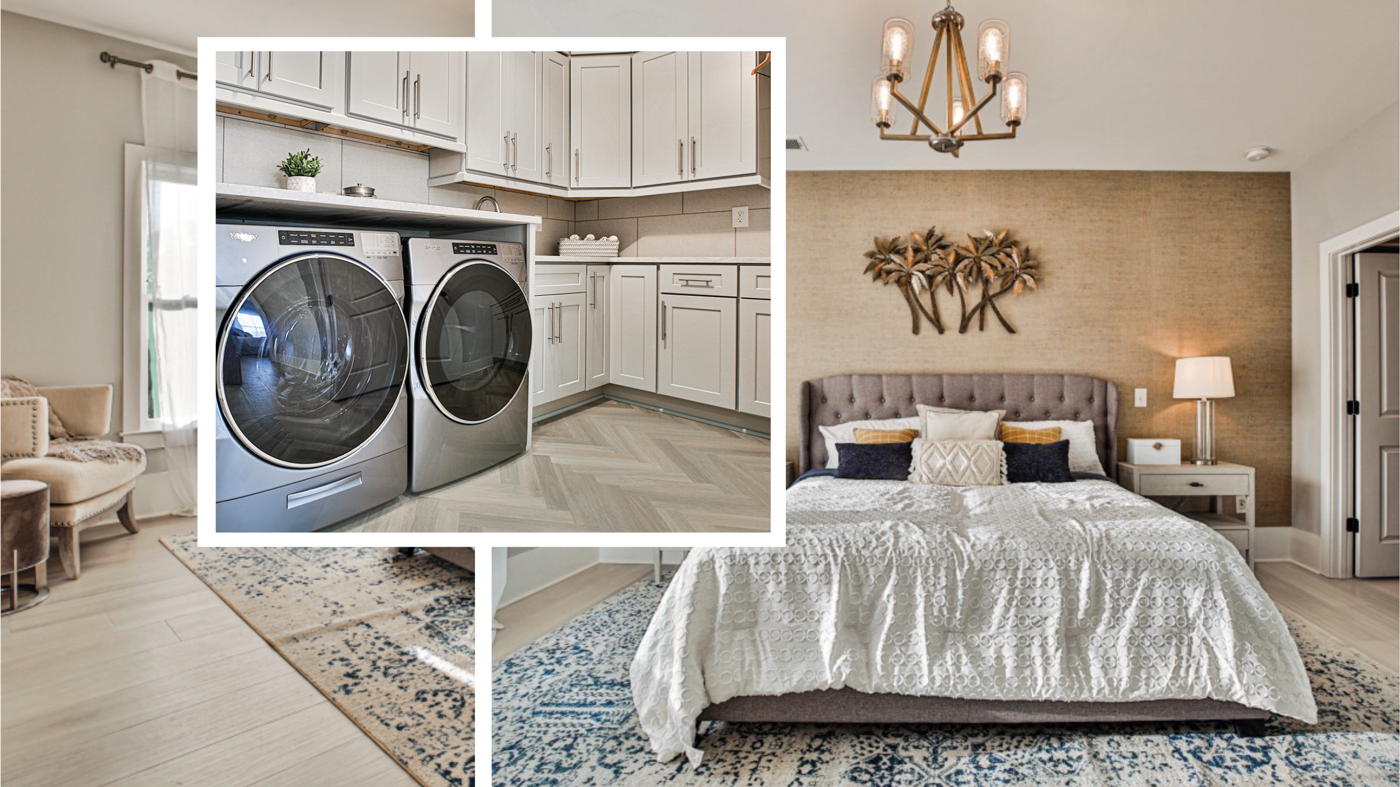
[514, 152]
[575, 166]
[680, 157]
[417, 104]
[559, 314]
[505, 143]
[550, 312]
[663, 323]
[704, 282]
[269, 66]
[250, 65]
[326, 490]
[692, 155]
[590, 290]
[548, 162]
[405, 94]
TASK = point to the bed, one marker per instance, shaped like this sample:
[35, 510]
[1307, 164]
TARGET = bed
[898, 602]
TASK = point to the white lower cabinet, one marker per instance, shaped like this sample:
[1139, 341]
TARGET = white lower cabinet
[632, 326]
[596, 345]
[755, 356]
[558, 356]
[696, 358]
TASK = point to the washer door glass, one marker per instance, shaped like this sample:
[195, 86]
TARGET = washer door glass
[312, 357]
[474, 342]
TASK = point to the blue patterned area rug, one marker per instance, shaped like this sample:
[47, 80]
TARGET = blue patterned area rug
[563, 715]
[390, 643]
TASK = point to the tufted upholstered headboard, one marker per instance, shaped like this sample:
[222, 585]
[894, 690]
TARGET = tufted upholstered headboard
[1025, 397]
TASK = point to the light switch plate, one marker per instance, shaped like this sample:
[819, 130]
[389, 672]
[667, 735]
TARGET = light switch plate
[741, 216]
[1139, 397]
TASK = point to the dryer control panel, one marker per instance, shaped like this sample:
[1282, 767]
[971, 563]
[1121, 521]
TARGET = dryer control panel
[315, 238]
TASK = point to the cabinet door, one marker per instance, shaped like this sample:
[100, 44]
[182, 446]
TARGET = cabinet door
[524, 115]
[235, 68]
[542, 342]
[600, 127]
[488, 144]
[659, 125]
[305, 76]
[554, 118]
[567, 357]
[699, 343]
[723, 114]
[437, 92]
[755, 356]
[632, 326]
[596, 348]
[379, 86]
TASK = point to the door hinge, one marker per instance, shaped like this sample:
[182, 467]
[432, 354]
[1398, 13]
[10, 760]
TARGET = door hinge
[1353, 407]
[1353, 289]
[1353, 525]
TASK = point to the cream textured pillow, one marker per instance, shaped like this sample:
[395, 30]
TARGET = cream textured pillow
[846, 433]
[1083, 447]
[958, 463]
[967, 425]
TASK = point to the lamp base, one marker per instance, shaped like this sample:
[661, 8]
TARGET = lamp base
[1205, 433]
[1204, 462]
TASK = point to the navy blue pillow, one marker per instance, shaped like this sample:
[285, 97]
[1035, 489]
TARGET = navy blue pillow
[1046, 463]
[888, 461]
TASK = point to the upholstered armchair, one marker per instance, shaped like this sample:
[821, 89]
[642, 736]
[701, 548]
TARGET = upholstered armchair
[78, 491]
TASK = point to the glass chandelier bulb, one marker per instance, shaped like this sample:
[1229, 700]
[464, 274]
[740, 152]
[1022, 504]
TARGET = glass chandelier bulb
[1013, 99]
[958, 113]
[898, 45]
[993, 49]
[881, 99]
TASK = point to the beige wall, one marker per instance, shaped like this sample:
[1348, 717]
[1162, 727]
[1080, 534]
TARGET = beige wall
[66, 118]
[693, 224]
[1141, 268]
[1354, 182]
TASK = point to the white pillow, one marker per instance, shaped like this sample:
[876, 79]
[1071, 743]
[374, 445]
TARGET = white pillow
[938, 426]
[846, 433]
[1083, 448]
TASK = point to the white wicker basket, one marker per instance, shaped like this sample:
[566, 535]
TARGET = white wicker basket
[587, 248]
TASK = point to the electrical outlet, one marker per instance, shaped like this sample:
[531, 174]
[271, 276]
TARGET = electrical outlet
[741, 217]
[1241, 505]
[1139, 397]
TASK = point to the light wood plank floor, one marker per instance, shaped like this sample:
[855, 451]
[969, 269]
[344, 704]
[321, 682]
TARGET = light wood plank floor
[138, 674]
[1364, 613]
[606, 467]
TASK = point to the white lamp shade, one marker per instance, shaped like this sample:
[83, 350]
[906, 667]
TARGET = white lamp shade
[1204, 378]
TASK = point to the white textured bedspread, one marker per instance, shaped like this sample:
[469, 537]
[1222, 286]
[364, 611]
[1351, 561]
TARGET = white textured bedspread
[1077, 592]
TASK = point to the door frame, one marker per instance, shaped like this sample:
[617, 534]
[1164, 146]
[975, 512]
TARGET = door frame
[1335, 556]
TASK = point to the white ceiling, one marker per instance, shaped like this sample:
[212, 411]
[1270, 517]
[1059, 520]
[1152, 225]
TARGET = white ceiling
[175, 25]
[1113, 84]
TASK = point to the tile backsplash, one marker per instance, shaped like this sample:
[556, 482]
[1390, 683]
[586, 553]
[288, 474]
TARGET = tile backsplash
[694, 224]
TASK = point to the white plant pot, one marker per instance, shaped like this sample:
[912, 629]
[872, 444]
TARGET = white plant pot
[301, 183]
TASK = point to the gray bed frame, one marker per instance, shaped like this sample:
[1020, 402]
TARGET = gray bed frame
[1025, 397]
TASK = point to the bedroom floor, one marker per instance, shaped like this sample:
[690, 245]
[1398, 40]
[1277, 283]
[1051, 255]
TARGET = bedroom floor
[1364, 613]
[137, 673]
[607, 467]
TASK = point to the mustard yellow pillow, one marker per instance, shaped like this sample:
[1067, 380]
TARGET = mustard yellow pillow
[885, 436]
[1015, 434]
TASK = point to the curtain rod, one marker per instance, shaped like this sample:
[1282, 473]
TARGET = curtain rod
[113, 60]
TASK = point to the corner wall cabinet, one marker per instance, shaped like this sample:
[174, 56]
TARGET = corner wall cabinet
[600, 111]
[694, 116]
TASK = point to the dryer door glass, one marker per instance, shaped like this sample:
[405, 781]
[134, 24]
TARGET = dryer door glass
[474, 342]
[312, 358]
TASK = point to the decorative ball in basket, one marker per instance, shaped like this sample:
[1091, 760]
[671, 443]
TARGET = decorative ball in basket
[573, 246]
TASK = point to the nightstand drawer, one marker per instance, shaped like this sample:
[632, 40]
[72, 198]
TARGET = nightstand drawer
[1164, 484]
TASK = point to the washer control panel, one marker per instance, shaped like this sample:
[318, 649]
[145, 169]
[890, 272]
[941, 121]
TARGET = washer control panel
[488, 249]
[315, 238]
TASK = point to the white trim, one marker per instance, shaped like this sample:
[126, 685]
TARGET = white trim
[530, 572]
[1333, 553]
[41, 12]
[1286, 545]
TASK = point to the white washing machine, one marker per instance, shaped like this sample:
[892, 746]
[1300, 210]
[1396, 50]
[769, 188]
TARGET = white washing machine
[469, 319]
[312, 357]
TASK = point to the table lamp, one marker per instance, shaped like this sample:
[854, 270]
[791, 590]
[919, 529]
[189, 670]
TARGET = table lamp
[1204, 379]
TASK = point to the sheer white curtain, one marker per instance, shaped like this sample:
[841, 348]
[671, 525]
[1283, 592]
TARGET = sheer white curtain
[170, 244]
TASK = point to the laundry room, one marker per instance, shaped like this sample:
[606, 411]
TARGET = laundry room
[493, 291]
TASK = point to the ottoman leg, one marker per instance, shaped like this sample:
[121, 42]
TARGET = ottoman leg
[68, 551]
[124, 515]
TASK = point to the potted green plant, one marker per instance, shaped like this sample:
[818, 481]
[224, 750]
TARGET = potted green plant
[301, 170]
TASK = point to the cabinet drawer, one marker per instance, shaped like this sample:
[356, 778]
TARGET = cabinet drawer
[1194, 484]
[560, 279]
[700, 280]
[756, 281]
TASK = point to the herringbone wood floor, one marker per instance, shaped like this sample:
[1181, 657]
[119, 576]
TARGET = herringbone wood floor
[606, 467]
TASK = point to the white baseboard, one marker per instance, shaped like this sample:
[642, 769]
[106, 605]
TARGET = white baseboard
[527, 573]
[1286, 545]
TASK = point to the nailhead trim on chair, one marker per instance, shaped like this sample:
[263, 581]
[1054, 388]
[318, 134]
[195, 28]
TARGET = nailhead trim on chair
[33, 427]
[119, 501]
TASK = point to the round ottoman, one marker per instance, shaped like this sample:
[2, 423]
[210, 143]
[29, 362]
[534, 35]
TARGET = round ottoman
[24, 539]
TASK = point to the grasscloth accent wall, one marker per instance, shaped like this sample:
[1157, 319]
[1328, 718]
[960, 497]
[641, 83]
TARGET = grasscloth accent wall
[1141, 268]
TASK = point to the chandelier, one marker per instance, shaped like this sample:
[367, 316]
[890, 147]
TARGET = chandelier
[961, 103]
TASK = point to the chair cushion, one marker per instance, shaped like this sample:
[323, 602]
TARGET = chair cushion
[73, 482]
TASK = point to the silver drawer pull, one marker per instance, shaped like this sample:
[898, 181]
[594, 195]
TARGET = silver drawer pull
[312, 495]
[704, 282]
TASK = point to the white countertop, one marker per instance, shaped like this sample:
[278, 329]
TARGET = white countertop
[237, 201]
[545, 259]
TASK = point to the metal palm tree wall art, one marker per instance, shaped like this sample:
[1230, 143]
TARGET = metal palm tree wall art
[980, 273]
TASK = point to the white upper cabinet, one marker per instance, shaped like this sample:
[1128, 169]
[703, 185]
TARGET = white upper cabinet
[660, 132]
[437, 92]
[305, 76]
[379, 86]
[524, 116]
[235, 68]
[723, 114]
[554, 119]
[600, 128]
[503, 114]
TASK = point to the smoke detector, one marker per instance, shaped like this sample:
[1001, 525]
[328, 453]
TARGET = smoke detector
[1258, 153]
[796, 143]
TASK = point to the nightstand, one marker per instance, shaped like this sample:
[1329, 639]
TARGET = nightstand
[791, 470]
[1214, 481]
